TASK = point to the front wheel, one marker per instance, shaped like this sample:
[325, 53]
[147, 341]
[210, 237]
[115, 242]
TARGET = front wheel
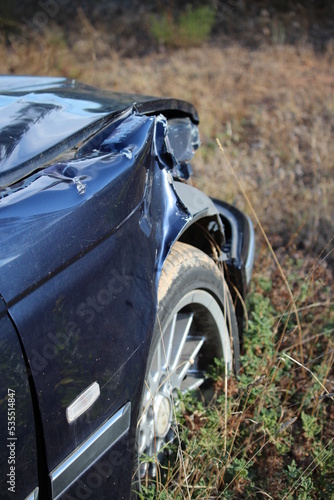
[195, 324]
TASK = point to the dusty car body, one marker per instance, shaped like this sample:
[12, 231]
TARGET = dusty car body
[93, 196]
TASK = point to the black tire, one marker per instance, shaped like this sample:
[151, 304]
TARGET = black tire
[195, 323]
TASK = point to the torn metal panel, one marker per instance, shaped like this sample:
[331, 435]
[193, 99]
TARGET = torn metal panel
[43, 215]
[123, 168]
[77, 268]
[42, 117]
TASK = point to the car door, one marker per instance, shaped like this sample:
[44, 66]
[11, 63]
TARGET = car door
[19, 457]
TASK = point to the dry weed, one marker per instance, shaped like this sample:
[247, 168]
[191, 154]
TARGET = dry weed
[273, 111]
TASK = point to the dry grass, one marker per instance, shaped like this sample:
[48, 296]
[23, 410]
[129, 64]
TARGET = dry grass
[273, 111]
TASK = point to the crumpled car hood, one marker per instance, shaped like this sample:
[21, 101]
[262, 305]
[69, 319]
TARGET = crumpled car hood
[41, 117]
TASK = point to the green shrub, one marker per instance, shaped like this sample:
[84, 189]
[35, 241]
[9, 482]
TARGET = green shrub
[191, 28]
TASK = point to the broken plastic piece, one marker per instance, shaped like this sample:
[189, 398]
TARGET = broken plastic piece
[66, 173]
[81, 187]
[128, 153]
[184, 138]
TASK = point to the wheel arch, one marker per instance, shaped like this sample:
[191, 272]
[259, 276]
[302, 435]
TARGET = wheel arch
[204, 229]
[211, 229]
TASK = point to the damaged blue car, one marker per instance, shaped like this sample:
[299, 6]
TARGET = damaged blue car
[120, 283]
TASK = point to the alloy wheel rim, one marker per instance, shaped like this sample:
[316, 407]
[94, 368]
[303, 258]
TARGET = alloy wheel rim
[175, 366]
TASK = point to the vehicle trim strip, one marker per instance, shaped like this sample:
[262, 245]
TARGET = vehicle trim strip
[33, 495]
[86, 454]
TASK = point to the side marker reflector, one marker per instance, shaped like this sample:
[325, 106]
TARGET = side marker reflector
[81, 403]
